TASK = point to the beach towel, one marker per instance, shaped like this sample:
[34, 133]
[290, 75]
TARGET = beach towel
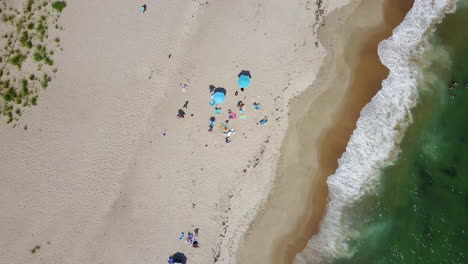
[243, 117]
[217, 111]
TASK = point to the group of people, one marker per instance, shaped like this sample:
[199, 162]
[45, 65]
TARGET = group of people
[192, 238]
[227, 131]
[452, 87]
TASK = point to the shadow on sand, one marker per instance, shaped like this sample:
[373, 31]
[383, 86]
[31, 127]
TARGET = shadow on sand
[244, 73]
[220, 89]
[179, 257]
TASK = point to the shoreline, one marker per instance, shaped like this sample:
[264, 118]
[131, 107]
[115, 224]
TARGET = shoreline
[319, 155]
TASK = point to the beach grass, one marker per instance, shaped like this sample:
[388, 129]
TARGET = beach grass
[59, 5]
[27, 48]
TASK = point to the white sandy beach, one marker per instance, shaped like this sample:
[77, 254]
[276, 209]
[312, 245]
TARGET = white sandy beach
[92, 179]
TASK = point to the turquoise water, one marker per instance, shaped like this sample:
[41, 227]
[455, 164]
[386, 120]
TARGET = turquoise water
[419, 212]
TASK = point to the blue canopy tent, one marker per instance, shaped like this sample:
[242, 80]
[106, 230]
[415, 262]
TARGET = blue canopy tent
[218, 98]
[244, 81]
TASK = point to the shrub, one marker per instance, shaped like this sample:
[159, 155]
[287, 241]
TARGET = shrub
[24, 40]
[29, 4]
[18, 60]
[59, 5]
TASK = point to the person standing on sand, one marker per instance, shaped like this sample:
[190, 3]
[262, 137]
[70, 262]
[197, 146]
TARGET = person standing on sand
[143, 8]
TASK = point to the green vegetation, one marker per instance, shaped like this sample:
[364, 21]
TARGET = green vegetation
[36, 248]
[28, 7]
[41, 30]
[26, 41]
[59, 5]
[45, 81]
[18, 60]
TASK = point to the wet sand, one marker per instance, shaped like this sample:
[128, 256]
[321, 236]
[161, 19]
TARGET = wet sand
[350, 76]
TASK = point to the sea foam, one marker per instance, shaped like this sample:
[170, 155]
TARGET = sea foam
[378, 130]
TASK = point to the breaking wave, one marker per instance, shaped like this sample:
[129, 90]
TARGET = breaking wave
[379, 129]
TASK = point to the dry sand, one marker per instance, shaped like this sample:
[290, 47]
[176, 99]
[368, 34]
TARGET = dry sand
[92, 180]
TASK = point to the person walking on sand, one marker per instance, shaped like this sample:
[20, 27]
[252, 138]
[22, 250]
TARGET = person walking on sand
[186, 104]
[143, 8]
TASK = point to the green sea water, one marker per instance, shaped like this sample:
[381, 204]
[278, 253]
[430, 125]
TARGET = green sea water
[419, 211]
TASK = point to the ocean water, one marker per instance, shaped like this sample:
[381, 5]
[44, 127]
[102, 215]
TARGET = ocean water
[399, 193]
[418, 210]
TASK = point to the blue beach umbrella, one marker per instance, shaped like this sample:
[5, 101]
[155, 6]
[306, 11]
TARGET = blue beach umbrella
[218, 97]
[244, 81]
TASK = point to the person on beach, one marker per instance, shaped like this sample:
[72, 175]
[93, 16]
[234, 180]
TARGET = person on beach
[186, 104]
[212, 123]
[171, 259]
[189, 239]
[228, 140]
[164, 133]
[143, 8]
[236, 93]
[183, 87]
[256, 106]
[195, 244]
[240, 105]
